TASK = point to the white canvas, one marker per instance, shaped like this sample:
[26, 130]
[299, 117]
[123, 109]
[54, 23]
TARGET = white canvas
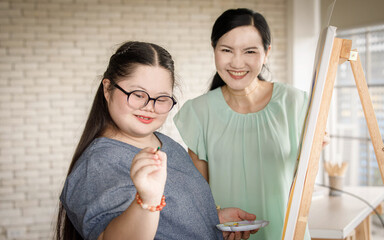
[322, 59]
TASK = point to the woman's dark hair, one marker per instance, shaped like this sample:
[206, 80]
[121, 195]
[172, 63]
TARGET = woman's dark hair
[122, 64]
[234, 18]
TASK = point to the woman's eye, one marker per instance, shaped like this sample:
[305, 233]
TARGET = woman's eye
[250, 52]
[226, 50]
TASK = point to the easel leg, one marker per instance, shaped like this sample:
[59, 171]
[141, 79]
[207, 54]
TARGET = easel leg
[369, 113]
[352, 236]
[363, 231]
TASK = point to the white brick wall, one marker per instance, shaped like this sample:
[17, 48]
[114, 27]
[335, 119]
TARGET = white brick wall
[52, 54]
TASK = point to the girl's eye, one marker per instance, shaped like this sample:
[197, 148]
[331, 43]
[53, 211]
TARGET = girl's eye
[138, 95]
[250, 52]
[225, 50]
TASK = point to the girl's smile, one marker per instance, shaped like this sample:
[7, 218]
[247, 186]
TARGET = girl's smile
[144, 119]
[140, 122]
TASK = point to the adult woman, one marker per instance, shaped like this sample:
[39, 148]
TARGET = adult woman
[119, 180]
[247, 130]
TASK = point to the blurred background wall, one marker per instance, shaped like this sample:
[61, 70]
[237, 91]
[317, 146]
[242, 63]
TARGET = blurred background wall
[53, 52]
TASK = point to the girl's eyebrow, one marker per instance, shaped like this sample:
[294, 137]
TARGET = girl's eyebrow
[164, 93]
[137, 87]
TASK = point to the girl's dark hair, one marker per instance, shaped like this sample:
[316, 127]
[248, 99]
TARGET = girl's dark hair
[234, 18]
[121, 65]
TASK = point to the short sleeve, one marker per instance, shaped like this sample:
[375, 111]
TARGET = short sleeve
[93, 197]
[301, 114]
[304, 108]
[189, 125]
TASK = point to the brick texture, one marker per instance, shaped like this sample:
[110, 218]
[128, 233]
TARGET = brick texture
[52, 54]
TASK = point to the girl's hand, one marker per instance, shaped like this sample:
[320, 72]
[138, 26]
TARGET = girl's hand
[149, 173]
[233, 215]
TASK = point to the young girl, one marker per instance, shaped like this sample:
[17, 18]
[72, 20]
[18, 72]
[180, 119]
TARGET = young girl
[127, 181]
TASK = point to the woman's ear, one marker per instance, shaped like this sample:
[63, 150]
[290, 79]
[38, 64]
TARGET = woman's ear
[267, 53]
[106, 84]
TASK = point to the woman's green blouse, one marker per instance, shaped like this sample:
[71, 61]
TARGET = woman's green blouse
[251, 157]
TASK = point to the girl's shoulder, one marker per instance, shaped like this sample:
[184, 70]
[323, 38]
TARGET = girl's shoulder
[168, 143]
[109, 147]
[104, 152]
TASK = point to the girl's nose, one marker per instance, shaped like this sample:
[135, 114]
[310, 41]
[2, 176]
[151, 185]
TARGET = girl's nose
[150, 107]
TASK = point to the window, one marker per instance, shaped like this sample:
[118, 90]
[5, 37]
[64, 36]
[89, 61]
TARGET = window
[350, 140]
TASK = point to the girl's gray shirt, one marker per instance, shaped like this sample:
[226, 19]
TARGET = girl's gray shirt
[100, 188]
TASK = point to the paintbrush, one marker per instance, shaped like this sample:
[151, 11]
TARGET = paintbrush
[334, 169]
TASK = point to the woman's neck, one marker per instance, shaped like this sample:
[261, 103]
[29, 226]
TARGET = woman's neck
[253, 98]
[243, 92]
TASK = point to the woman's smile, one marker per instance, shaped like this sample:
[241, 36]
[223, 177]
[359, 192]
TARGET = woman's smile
[240, 56]
[237, 74]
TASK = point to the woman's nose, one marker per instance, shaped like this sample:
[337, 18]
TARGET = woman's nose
[237, 61]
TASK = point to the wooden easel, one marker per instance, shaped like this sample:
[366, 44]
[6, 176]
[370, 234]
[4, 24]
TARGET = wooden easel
[341, 52]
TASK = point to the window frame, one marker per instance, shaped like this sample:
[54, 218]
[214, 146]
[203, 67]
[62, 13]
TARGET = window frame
[330, 151]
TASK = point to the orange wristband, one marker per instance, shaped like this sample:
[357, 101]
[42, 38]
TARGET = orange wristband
[151, 208]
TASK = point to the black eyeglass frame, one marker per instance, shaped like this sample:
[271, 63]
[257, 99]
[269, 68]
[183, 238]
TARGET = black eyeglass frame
[149, 97]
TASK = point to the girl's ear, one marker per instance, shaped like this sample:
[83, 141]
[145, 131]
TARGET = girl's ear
[106, 84]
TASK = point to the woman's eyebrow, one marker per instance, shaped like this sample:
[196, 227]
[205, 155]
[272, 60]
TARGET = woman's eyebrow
[226, 46]
[250, 48]
[247, 48]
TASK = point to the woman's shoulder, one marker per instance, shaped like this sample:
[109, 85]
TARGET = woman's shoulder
[205, 98]
[286, 87]
[285, 91]
[201, 105]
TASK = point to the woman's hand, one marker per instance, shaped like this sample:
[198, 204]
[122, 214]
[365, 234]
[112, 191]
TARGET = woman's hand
[326, 139]
[149, 173]
[232, 215]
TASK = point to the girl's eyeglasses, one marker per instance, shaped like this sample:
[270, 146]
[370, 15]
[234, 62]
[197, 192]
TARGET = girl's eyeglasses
[138, 99]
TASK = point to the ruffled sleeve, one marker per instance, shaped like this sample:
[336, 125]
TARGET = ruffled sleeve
[190, 128]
